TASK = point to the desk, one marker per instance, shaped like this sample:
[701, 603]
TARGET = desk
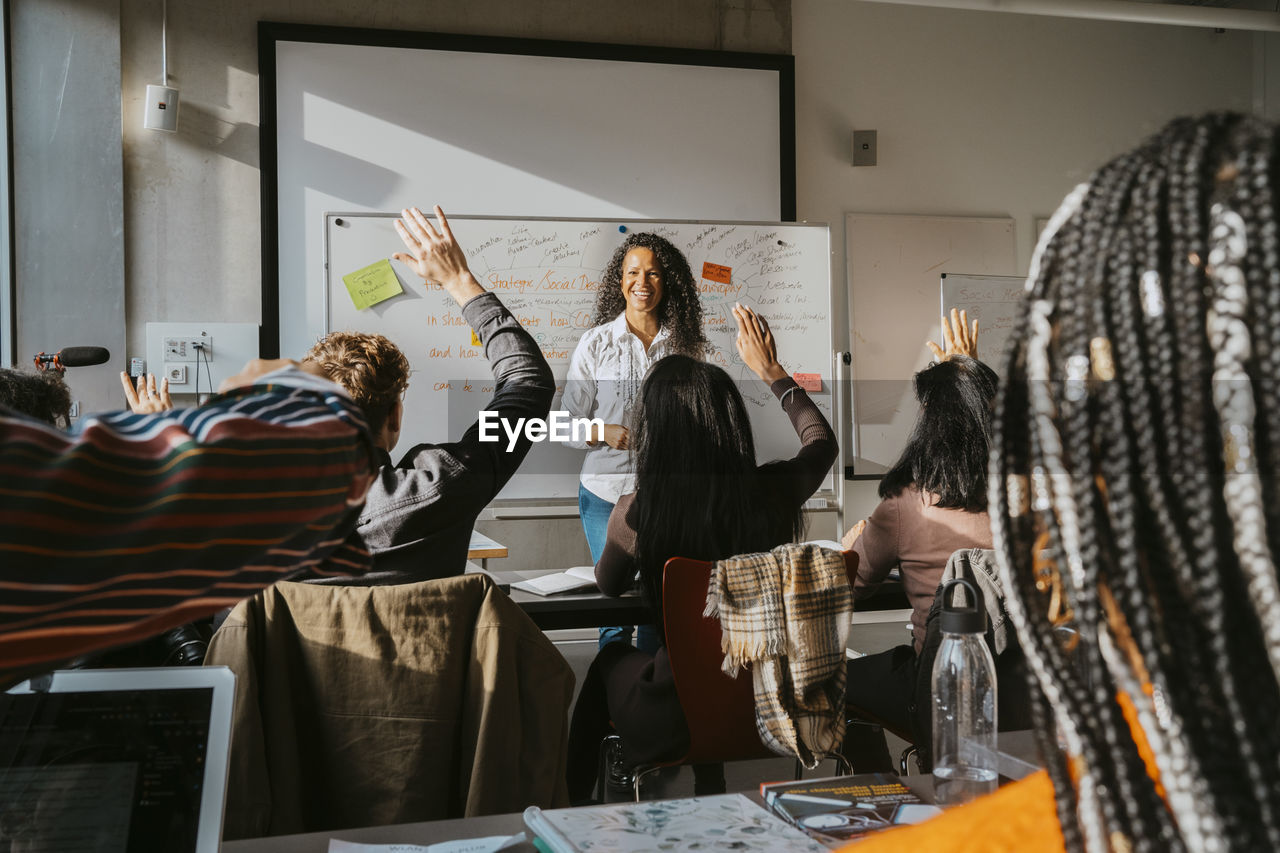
[573, 610]
[435, 831]
[482, 548]
[429, 832]
[594, 609]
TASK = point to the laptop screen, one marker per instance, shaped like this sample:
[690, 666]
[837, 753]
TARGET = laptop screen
[106, 770]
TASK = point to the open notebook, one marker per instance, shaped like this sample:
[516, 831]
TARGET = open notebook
[119, 760]
[577, 579]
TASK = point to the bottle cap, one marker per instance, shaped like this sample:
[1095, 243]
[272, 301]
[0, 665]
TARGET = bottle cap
[963, 620]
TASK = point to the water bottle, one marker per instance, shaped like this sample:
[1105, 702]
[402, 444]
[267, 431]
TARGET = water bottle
[964, 701]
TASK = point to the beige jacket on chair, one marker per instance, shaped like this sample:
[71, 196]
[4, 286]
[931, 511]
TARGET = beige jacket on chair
[365, 706]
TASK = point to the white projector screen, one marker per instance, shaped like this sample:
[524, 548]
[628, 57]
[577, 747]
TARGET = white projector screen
[373, 120]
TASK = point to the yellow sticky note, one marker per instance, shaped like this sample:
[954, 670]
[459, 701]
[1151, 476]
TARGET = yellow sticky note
[372, 284]
[475, 339]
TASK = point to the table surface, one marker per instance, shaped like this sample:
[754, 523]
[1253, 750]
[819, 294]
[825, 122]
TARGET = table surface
[1017, 754]
[572, 610]
[594, 609]
[481, 547]
[432, 832]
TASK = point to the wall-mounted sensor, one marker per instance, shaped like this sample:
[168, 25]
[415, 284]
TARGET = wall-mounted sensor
[162, 108]
[864, 148]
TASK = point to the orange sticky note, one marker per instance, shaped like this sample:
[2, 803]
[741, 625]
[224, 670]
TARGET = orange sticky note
[808, 381]
[716, 272]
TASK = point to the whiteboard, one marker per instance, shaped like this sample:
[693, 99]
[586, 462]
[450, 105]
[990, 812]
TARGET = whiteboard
[894, 262]
[546, 271]
[992, 300]
[377, 120]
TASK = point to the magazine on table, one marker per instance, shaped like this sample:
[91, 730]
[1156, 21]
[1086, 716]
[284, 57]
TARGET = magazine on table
[835, 809]
[720, 822]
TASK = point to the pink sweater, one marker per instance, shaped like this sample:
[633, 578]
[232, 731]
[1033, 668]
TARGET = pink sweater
[910, 533]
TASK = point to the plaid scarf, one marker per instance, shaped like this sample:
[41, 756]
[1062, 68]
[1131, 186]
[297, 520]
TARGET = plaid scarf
[787, 612]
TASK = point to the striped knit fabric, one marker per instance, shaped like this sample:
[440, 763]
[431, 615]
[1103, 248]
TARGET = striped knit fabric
[787, 613]
[139, 523]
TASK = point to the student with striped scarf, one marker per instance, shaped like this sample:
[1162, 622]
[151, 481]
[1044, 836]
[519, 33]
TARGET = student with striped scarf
[137, 523]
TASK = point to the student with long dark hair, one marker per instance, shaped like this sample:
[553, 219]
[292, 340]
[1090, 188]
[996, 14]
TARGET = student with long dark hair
[933, 503]
[699, 494]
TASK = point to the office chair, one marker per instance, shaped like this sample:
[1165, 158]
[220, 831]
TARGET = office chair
[365, 706]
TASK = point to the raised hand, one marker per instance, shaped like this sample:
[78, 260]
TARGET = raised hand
[852, 534]
[756, 345]
[146, 399]
[957, 336]
[435, 256]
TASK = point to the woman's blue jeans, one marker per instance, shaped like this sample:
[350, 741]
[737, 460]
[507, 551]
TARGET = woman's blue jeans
[594, 512]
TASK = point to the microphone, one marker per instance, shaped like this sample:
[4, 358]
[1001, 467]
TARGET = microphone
[72, 357]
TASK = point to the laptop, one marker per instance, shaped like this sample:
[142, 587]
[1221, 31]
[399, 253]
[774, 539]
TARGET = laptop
[115, 760]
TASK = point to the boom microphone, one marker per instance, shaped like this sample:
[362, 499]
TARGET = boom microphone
[73, 357]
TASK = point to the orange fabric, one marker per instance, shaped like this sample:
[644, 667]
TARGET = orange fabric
[1130, 713]
[1018, 818]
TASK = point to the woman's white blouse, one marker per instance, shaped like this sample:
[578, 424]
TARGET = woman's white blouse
[605, 374]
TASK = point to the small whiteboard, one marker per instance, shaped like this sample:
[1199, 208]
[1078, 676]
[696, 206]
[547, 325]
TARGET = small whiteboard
[992, 300]
[547, 272]
[893, 264]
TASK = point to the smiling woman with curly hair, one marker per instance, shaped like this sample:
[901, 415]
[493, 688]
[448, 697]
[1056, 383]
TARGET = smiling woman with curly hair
[680, 311]
[647, 307]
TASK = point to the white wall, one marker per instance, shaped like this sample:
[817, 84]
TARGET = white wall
[985, 113]
[191, 199]
[68, 215]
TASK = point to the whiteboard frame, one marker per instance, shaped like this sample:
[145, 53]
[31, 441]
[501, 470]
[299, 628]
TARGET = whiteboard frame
[270, 33]
[832, 491]
[999, 251]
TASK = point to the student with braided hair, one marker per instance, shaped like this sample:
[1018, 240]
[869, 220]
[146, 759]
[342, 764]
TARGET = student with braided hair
[1133, 501]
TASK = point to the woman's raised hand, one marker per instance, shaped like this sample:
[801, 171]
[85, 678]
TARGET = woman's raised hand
[435, 256]
[851, 535]
[146, 398]
[957, 336]
[756, 345]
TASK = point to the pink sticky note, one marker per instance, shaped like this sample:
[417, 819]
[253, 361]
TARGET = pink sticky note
[808, 381]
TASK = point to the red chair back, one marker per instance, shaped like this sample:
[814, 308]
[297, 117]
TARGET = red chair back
[720, 710]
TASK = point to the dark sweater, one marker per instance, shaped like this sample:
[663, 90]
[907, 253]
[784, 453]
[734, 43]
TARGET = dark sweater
[419, 513]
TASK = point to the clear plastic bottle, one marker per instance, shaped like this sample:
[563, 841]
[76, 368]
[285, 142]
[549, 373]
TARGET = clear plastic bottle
[964, 701]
